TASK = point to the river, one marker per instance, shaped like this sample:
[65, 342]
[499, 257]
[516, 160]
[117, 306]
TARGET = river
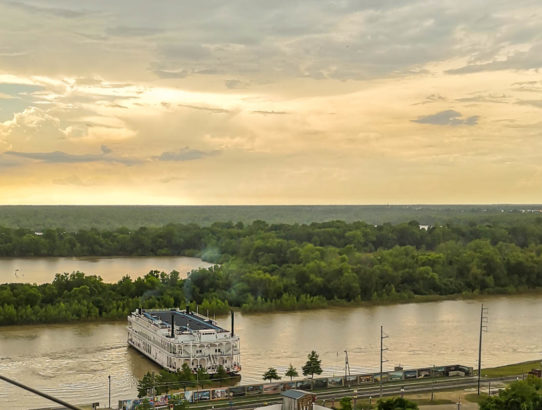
[73, 361]
[111, 269]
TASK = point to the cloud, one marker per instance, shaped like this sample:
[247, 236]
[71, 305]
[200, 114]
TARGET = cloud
[528, 86]
[125, 31]
[186, 154]
[71, 180]
[448, 117]
[262, 112]
[498, 99]
[32, 123]
[431, 99]
[58, 12]
[105, 149]
[170, 74]
[210, 109]
[236, 84]
[59, 157]
[533, 103]
[521, 60]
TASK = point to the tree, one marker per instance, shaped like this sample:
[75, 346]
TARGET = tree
[397, 403]
[312, 366]
[145, 405]
[203, 377]
[147, 383]
[221, 374]
[291, 372]
[271, 374]
[519, 395]
[346, 403]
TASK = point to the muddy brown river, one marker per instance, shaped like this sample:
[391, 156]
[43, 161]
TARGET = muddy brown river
[74, 361]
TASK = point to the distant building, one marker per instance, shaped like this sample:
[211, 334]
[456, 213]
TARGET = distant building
[297, 400]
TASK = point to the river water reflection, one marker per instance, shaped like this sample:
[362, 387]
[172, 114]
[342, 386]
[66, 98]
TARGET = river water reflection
[73, 361]
[111, 269]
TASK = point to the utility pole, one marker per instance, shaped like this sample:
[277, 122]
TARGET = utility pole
[483, 328]
[346, 367]
[382, 349]
[109, 377]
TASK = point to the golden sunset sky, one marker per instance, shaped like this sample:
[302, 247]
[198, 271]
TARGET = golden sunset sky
[270, 102]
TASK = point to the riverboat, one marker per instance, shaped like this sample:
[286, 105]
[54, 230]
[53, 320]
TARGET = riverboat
[174, 337]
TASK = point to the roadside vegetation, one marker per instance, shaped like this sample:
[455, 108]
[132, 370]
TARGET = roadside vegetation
[263, 267]
[519, 395]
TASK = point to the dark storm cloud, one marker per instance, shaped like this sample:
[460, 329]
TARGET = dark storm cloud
[448, 117]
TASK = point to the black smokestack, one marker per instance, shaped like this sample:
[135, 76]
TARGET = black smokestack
[232, 323]
[173, 325]
[187, 309]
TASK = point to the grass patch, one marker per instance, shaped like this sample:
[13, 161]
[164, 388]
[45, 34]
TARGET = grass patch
[512, 369]
[429, 402]
[474, 398]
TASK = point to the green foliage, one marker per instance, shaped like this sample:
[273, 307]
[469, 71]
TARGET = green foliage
[267, 267]
[271, 374]
[203, 378]
[346, 403]
[291, 372]
[396, 404]
[519, 395]
[313, 365]
[146, 385]
[221, 373]
[73, 218]
[166, 381]
[146, 405]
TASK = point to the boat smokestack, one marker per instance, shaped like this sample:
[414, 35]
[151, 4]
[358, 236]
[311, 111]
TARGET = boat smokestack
[172, 325]
[187, 309]
[232, 323]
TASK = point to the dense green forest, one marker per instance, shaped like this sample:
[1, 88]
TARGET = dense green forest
[72, 218]
[277, 266]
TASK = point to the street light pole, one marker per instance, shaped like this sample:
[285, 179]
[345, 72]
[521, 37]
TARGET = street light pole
[109, 377]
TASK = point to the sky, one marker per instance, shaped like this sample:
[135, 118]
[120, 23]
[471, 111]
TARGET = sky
[258, 102]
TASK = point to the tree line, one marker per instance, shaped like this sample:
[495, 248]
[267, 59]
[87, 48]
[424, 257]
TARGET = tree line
[265, 267]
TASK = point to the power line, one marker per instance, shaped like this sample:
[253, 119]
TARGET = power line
[39, 393]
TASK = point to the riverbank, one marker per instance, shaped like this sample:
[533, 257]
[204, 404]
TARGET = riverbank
[512, 369]
[275, 305]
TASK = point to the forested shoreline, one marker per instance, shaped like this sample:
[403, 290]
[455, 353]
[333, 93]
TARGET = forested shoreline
[265, 267]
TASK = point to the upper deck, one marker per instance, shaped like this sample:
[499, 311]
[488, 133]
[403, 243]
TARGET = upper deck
[183, 321]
